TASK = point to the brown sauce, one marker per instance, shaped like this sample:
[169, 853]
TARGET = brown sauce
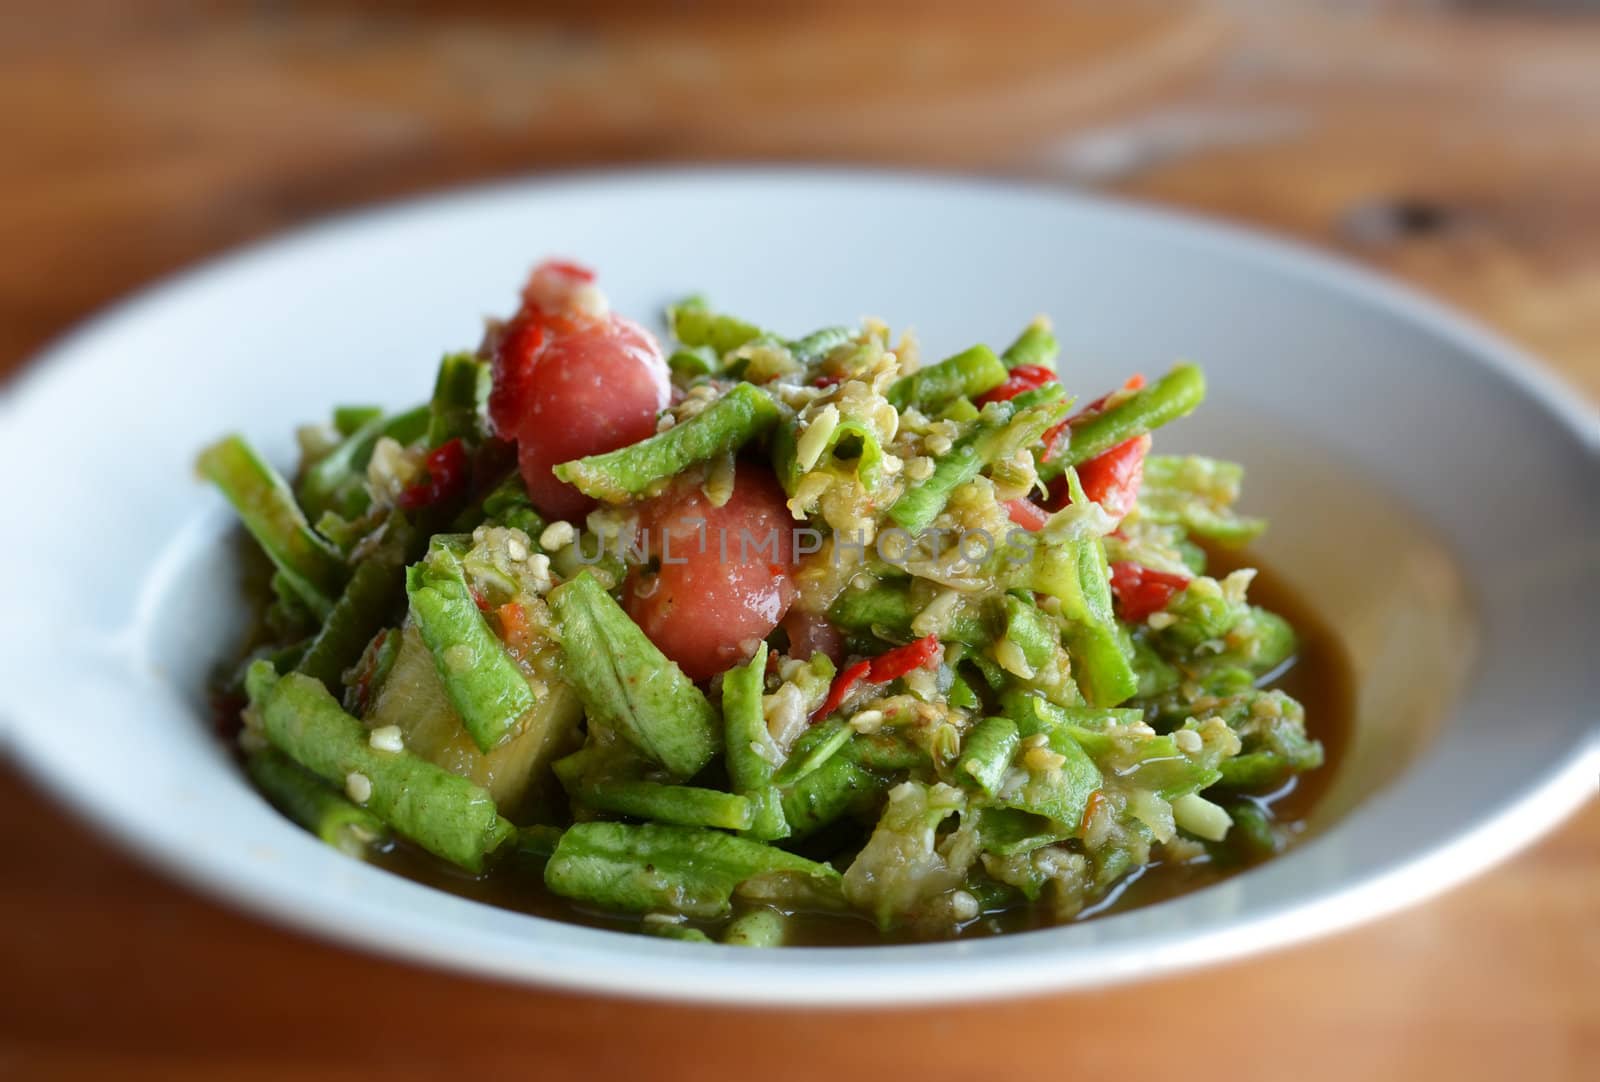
[1319, 676]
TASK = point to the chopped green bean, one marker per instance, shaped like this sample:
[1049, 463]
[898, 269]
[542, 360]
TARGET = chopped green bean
[1172, 396]
[750, 747]
[739, 416]
[627, 685]
[368, 604]
[481, 681]
[970, 373]
[459, 395]
[445, 814]
[1036, 345]
[268, 509]
[653, 868]
[986, 754]
[312, 803]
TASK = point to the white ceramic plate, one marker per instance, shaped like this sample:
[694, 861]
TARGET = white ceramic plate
[1434, 495]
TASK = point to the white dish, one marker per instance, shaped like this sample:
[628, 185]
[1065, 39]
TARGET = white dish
[1435, 496]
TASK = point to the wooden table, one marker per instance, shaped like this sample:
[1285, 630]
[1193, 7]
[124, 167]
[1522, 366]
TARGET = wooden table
[1462, 154]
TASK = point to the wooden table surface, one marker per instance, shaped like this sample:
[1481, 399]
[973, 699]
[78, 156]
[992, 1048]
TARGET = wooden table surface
[1460, 152]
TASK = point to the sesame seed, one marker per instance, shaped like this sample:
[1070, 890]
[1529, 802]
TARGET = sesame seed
[1161, 620]
[387, 738]
[516, 550]
[1037, 740]
[920, 468]
[938, 445]
[1188, 741]
[867, 721]
[358, 787]
[557, 536]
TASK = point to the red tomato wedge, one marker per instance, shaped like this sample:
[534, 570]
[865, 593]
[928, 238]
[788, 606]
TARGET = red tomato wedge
[1140, 591]
[722, 578]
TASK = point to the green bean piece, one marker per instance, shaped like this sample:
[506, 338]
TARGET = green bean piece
[654, 868]
[987, 752]
[759, 927]
[1253, 837]
[885, 752]
[267, 507]
[459, 394]
[530, 848]
[347, 420]
[1198, 494]
[1174, 395]
[739, 416]
[691, 362]
[507, 504]
[367, 605]
[627, 685]
[970, 373]
[814, 747]
[1075, 572]
[1031, 631]
[445, 814]
[312, 803]
[1061, 792]
[337, 482]
[678, 805]
[1036, 345]
[818, 344]
[749, 745]
[694, 324]
[1007, 831]
[837, 788]
[481, 681]
[1000, 431]
[887, 606]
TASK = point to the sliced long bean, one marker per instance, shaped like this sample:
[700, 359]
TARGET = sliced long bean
[627, 685]
[888, 606]
[694, 324]
[267, 507]
[445, 814]
[337, 481]
[833, 790]
[1031, 631]
[645, 868]
[1075, 572]
[314, 804]
[1036, 345]
[459, 393]
[1174, 395]
[678, 805]
[986, 753]
[750, 747]
[997, 434]
[481, 681]
[739, 416]
[368, 604]
[969, 373]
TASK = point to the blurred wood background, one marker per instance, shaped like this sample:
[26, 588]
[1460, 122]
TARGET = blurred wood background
[1456, 146]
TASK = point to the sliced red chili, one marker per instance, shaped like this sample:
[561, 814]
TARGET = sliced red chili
[842, 686]
[1024, 377]
[1112, 479]
[1052, 438]
[887, 666]
[447, 468]
[903, 659]
[1140, 591]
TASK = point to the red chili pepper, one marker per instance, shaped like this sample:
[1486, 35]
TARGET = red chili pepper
[903, 659]
[827, 380]
[447, 477]
[1112, 479]
[1024, 377]
[1140, 590]
[842, 686]
[887, 666]
[1027, 514]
